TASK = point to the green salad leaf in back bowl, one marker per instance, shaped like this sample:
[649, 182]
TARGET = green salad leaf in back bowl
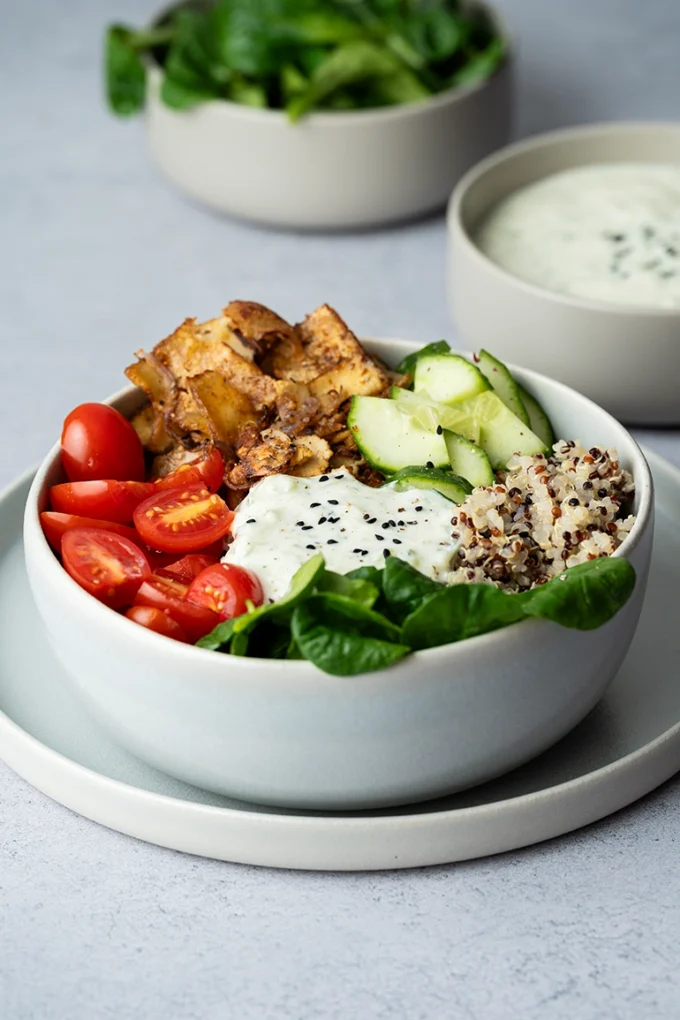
[303, 55]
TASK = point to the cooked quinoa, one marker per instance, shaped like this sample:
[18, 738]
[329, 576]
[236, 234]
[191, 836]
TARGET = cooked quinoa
[544, 514]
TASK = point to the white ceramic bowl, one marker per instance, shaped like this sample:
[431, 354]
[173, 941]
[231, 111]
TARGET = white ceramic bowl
[330, 170]
[626, 358]
[285, 733]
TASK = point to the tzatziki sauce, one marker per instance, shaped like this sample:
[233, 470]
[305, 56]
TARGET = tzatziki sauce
[284, 520]
[610, 232]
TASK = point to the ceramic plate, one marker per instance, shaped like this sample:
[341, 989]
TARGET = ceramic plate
[626, 747]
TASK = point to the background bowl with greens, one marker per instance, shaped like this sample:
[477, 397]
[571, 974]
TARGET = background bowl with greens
[316, 113]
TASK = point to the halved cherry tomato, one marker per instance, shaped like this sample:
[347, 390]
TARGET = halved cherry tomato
[107, 500]
[207, 470]
[226, 589]
[169, 595]
[107, 565]
[158, 621]
[98, 442]
[55, 525]
[189, 567]
[182, 520]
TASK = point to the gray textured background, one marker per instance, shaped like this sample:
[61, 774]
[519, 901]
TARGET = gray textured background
[100, 257]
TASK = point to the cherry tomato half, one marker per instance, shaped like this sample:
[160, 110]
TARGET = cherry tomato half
[107, 500]
[189, 567]
[226, 589]
[169, 595]
[107, 565]
[56, 525]
[182, 520]
[98, 442]
[207, 470]
[158, 621]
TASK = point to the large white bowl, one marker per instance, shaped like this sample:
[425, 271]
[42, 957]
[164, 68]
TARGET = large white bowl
[625, 357]
[284, 733]
[330, 170]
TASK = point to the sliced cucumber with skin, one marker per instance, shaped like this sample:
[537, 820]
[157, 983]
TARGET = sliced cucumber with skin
[448, 378]
[450, 485]
[407, 365]
[502, 432]
[503, 384]
[468, 460]
[431, 415]
[391, 440]
[538, 419]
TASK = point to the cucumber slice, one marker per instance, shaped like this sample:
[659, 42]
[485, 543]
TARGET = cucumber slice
[390, 439]
[448, 378]
[408, 364]
[502, 432]
[468, 460]
[538, 419]
[430, 415]
[503, 384]
[454, 488]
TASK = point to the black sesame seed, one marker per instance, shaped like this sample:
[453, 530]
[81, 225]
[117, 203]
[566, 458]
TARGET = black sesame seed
[385, 525]
[331, 541]
[323, 478]
[251, 520]
[307, 527]
[601, 493]
[310, 547]
[401, 524]
[356, 550]
[371, 520]
[528, 500]
[380, 538]
[314, 505]
[333, 520]
[386, 553]
[418, 509]
[322, 520]
[333, 502]
[299, 524]
[587, 485]
[573, 501]
[364, 552]
[338, 478]
[392, 524]
[439, 430]
[429, 464]
[412, 522]
[397, 541]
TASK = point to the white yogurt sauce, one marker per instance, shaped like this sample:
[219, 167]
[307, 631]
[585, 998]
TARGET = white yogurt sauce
[610, 231]
[284, 520]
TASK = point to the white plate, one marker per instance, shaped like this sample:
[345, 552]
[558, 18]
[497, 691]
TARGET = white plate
[626, 747]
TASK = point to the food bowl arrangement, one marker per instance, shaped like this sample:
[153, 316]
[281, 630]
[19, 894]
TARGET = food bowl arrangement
[371, 133]
[622, 354]
[419, 715]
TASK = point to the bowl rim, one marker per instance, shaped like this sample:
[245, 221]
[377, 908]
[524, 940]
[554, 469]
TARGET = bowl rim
[326, 118]
[74, 594]
[535, 143]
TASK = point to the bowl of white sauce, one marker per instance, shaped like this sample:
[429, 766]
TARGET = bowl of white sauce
[564, 255]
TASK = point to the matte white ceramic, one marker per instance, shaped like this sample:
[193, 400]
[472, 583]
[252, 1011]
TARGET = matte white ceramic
[330, 170]
[625, 358]
[627, 745]
[284, 733]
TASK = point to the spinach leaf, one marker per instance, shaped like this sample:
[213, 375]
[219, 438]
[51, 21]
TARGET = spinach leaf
[460, 612]
[363, 592]
[405, 588]
[125, 75]
[407, 365]
[342, 638]
[585, 596]
[345, 65]
[481, 65]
